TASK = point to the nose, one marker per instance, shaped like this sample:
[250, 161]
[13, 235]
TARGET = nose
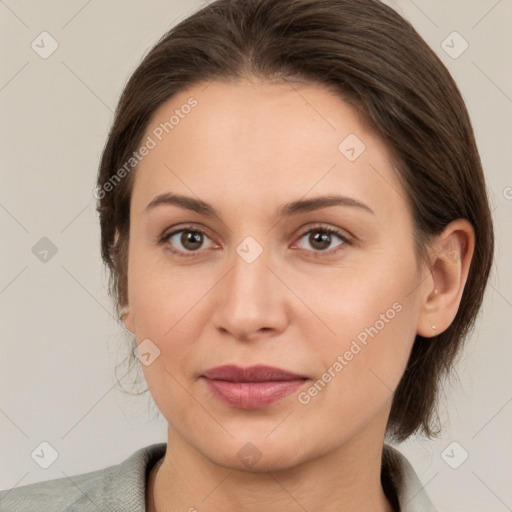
[252, 302]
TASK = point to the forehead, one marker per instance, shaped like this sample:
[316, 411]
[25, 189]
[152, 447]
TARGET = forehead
[260, 140]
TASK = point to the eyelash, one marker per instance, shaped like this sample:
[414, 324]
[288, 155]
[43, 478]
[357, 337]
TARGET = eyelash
[320, 228]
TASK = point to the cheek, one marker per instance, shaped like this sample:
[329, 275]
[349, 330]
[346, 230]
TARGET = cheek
[168, 308]
[369, 316]
[361, 364]
[162, 295]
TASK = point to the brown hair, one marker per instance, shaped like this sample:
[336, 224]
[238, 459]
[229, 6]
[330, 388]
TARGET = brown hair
[373, 59]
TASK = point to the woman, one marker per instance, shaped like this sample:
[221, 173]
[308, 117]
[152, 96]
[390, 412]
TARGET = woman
[294, 215]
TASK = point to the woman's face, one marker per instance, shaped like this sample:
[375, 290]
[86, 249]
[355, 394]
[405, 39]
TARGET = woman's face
[260, 282]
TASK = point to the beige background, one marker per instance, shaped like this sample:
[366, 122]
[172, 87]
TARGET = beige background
[60, 343]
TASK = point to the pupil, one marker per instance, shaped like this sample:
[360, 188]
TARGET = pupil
[189, 238]
[323, 237]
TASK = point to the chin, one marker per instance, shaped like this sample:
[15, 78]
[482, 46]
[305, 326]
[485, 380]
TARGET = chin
[251, 459]
[253, 452]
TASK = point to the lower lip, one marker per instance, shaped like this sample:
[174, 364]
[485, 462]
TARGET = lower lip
[253, 395]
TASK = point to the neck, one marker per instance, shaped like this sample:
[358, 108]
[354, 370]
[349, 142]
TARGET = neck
[347, 479]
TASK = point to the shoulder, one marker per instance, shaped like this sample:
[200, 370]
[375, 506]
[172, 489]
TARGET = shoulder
[404, 481]
[115, 488]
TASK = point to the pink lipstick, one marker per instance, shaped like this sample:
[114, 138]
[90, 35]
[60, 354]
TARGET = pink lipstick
[253, 387]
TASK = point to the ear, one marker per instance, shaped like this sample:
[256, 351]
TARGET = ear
[450, 259]
[127, 319]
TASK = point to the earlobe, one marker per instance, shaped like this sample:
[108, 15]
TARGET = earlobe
[451, 256]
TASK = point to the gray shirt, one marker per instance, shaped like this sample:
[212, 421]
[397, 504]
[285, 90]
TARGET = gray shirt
[122, 488]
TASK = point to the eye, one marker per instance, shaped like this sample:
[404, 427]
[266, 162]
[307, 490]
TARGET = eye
[190, 238]
[321, 237]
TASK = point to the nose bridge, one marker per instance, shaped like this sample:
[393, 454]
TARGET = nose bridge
[249, 277]
[251, 296]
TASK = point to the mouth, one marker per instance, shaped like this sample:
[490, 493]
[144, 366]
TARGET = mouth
[258, 373]
[254, 387]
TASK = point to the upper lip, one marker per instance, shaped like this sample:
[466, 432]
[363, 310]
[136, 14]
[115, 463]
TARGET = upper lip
[257, 373]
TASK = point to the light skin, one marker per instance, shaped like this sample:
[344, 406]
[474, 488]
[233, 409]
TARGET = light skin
[248, 148]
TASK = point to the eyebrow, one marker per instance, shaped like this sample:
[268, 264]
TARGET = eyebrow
[286, 210]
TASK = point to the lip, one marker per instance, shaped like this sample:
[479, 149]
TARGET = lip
[256, 373]
[254, 387]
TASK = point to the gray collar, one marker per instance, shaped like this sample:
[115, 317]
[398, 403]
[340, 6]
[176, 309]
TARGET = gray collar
[122, 487]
